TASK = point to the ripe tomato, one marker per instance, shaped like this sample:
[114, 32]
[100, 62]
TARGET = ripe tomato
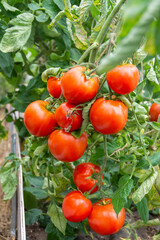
[108, 116]
[65, 147]
[154, 112]
[81, 176]
[67, 118]
[54, 86]
[38, 120]
[76, 88]
[103, 219]
[76, 207]
[123, 79]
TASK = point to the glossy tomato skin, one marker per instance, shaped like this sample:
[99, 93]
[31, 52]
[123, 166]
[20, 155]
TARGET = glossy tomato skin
[38, 120]
[65, 147]
[82, 174]
[154, 112]
[54, 86]
[76, 207]
[123, 79]
[103, 219]
[76, 88]
[67, 119]
[108, 116]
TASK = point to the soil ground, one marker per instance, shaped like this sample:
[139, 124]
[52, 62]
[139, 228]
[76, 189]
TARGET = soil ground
[34, 232]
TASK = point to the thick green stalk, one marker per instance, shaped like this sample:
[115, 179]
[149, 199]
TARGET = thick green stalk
[105, 27]
[132, 41]
[85, 54]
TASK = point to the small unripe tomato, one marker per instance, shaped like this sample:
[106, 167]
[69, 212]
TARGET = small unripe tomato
[103, 219]
[123, 79]
[54, 86]
[76, 207]
[154, 112]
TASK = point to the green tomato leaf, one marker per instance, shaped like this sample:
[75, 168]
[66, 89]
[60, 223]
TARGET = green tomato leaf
[57, 217]
[143, 211]
[16, 37]
[60, 4]
[6, 63]
[37, 192]
[139, 109]
[42, 17]
[120, 196]
[151, 75]
[9, 7]
[80, 37]
[139, 56]
[155, 125]
[39, 149]
[50, 72]
[32, 215]
[33, 6]
[50, 8]
[84, 8]
[144, 188]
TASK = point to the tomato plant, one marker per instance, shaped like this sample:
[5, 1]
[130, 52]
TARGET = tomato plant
[87, 41]
[103, 219]
[68, 116]
[66, 147]
[108, 116]
[77, 88]
[84, 177]
[76, 207]
[54, 86]
[123, 79]
[38, 120]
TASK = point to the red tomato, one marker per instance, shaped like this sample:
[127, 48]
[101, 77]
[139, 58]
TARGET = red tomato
[65, 147]
[154, 112]
[76, 88]
[103, 219]
[108, 116]
[68, 119]
[38, 120]
[76, 207]
[54, 87]
[123, 79]
[82, 174]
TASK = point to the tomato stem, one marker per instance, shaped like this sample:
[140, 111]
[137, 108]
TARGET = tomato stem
[85, 54]
[139, 132]
[106, 156]
[105, 27]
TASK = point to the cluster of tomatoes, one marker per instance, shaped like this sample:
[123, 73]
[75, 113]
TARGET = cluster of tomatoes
[106, 116]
